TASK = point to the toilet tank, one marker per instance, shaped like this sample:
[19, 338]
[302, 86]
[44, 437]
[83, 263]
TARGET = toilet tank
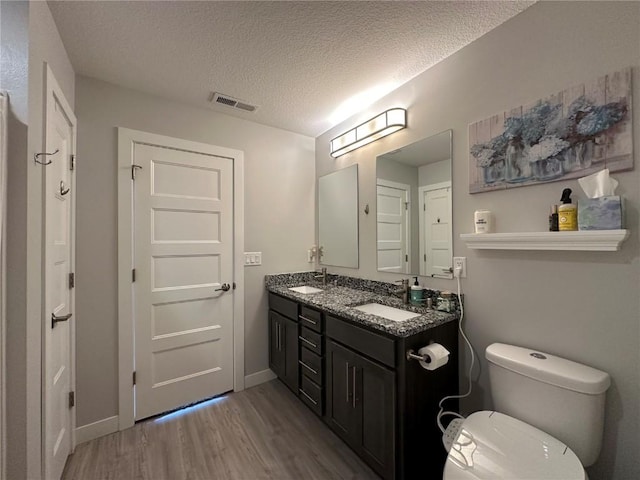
[561, 397]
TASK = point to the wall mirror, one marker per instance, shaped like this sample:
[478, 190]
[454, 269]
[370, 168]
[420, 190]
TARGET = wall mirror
[414, 225]
[338, 218]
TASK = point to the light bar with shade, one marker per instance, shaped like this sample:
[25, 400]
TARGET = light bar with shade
[373, 129]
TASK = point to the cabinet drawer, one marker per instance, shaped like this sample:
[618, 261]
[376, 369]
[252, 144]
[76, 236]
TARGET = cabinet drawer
[310, 318]
[286, 307]
[311, 366]
[311, 340]
[368, 343]
[311, 394]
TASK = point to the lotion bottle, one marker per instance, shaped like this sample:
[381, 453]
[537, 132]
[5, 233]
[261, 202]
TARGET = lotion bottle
[567, 213]
[416, 293]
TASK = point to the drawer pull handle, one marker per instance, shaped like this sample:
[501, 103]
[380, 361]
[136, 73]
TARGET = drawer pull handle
[307, 341]
[308, 320]
[307, 367]
[353, 394]
[308, 396]
[347, 383]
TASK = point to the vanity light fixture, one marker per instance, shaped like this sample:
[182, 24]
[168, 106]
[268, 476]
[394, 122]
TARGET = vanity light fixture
[373, 129]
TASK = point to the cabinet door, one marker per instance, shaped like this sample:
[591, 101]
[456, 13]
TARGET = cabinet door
[276, 352]
[291, 357]
[375, 405]
[340, 383]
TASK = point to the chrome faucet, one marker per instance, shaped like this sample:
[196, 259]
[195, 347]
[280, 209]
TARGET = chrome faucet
[323, 276]
[403, 290]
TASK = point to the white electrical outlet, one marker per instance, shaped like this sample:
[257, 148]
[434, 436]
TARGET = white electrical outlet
[252, 258]
[460, 263]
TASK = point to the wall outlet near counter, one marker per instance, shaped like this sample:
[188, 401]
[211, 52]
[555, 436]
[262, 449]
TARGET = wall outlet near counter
[460, 264]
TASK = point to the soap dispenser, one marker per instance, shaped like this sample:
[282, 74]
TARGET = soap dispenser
[416, 293]
[567, 213]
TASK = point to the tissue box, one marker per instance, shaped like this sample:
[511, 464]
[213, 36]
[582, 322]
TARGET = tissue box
[604, 213]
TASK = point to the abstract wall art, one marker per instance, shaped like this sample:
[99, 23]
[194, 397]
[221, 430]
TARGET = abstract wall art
[570, 134]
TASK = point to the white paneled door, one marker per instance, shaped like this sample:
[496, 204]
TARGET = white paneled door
[435, 232]
[183, 289]
[58, 322]
[393, 227]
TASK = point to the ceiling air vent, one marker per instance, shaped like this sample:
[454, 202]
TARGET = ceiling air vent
[219, 98]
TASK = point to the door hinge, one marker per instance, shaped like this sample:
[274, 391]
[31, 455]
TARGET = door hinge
[72, 280]
[234, 285]
[406, 258]
[72, 399]
[134, 378]
[424, 207]
[406, 205]
[425, 257]
[133, 275]
[133, 171]
[72, 163]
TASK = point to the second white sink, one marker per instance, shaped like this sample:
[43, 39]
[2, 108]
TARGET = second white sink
[385, 311]
[305, 289]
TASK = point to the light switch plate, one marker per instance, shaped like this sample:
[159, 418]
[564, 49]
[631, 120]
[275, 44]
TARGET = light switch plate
[252, 258]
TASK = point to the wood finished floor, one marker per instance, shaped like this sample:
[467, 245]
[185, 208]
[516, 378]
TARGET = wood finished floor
[260, 433]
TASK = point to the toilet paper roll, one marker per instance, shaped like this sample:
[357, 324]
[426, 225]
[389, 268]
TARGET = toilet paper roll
[435, 356]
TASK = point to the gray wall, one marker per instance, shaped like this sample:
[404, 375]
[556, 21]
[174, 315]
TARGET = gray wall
[580, 305]
[29, 38]
[437, 172]
[279, 213]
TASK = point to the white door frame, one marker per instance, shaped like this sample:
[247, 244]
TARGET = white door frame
[421, 226]
[407, 217]
[52, 94]
[126, 140]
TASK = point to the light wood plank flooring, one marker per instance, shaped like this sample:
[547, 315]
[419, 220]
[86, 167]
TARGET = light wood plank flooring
[260, 433]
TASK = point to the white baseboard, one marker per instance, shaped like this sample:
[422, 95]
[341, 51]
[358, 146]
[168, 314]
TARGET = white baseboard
[96, 429]
[258, 378]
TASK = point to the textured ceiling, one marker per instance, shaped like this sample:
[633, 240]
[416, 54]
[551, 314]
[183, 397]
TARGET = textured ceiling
[298, 61]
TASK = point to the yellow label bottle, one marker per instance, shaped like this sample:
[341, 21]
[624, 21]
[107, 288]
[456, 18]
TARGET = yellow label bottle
[567, 213]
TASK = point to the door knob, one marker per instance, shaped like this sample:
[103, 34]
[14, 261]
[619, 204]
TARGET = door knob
[225, 288]
[63, 318]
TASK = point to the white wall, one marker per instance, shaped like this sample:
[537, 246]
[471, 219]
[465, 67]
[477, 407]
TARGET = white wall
[580, 305]
[437, 172]
[29, 38]
[279, 213]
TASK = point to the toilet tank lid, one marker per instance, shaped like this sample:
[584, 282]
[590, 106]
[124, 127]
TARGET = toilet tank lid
[549, 368]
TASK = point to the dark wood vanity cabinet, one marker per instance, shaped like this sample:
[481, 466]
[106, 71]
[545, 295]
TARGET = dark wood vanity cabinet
[362, 385]
[283, 341]
[361, 406]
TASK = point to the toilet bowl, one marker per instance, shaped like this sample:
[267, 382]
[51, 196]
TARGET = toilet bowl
[548, 423]
[491, 445]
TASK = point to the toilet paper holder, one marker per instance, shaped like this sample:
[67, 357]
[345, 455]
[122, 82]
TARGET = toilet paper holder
[412, 355]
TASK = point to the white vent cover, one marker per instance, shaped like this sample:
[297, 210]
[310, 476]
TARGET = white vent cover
[229, 101]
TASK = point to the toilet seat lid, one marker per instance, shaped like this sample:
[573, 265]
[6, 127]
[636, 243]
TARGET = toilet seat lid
[492, 445]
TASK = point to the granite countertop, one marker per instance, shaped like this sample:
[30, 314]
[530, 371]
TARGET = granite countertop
[339, 300]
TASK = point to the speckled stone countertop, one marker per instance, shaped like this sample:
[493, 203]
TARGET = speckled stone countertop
[339, 300]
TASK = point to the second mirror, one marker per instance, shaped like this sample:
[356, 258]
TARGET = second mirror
[414, 224]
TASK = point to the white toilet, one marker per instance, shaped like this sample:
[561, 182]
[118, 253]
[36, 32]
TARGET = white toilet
[548, 422]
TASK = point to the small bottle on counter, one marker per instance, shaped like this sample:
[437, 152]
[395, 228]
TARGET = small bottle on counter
[416, 293]
[567, 213]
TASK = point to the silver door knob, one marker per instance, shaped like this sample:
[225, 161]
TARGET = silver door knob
[225, 288]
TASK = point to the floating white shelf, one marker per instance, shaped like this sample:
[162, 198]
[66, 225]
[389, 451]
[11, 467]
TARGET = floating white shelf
[587, 240]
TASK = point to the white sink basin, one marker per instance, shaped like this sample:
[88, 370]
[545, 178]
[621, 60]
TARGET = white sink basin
[384, 311]
[305, 289]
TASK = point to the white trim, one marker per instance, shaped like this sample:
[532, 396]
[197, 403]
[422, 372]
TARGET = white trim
[587, 240]
[126, 139]
[53, 93]
[97, 429]
[4, 114]
[257, 378]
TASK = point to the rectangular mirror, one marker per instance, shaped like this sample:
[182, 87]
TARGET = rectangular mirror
[338, 218]
[414, 224]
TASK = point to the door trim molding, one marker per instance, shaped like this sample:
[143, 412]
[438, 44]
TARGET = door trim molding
[97, 429]
[4, 116]
[127, 138]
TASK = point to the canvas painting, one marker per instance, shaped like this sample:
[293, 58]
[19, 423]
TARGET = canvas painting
[570, 134]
